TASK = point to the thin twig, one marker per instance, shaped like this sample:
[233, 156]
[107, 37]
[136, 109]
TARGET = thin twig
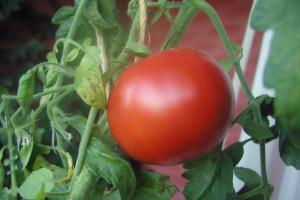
[143, 23]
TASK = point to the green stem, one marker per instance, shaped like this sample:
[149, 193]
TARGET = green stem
[84, 142]
[45, 92]
[263, 162]
[251, 193]
[68, 71]
[209, 10]
[165, 4]
[57, 194]
[51, 91]
[246, 141]
[82, 186]
[183, 19]
[74, 28]
[11, 147]
[50, 106]
[70, 35]
[123, 55]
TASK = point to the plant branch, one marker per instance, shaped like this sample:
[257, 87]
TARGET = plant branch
[209, 10]
[142, 23]
[251, 193]
[83, 184]
[123, 56]
[84, 142]
[74, 28]
[165, 4]
[40, 94]
[66, 48]
[183, 19]
[68, 71]
[11, 147]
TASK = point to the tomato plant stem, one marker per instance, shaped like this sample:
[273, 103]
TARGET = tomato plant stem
[59, 81]
[73, 28]
[183, 19]
[265, 183]
[251, 193]
[86, 180]
[263, 161]
[160, 4]
[11, 147]
[209, 10]
[84, 142]
[51, 91]
[123, 56]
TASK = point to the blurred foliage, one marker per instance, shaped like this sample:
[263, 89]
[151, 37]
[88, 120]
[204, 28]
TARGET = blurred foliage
[24, 37]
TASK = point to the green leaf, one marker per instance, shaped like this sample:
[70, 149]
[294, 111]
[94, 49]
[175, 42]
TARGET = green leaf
[41, 195]
[102, 15]
[41, 73]
[41, 149]
[2, 175]
[222, 184]
[209, 177]
[64, 28]
[251, 125]
[137, 49]
[72, 55]
[26, 89]
[63, 14]
[111, 167]
[133, 7]
[257, 130]
[251, 181]
[78, 123]
[289, 148]
[63, 187]
[30, 189]
[201, 176]
[41, 162]
[2, 150]
[52, 72]
[101, 21]
[153, 186]
[267, 14]
[249, 177]
[156, 17]
[86, 186]
[287, 99]
[283, 65]
[112, 195]
[25, 154]
[4, 194]
[236, 152]
[88, 79]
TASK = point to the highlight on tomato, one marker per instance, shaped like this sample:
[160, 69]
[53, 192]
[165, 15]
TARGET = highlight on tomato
[171, 107]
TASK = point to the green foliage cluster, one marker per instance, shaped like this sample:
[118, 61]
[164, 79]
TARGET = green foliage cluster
[41, 134]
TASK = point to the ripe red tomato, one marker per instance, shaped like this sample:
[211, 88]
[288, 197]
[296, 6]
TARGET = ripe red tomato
[170, 107]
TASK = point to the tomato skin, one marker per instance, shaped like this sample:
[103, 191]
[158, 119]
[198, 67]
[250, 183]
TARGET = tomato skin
[170, 107]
